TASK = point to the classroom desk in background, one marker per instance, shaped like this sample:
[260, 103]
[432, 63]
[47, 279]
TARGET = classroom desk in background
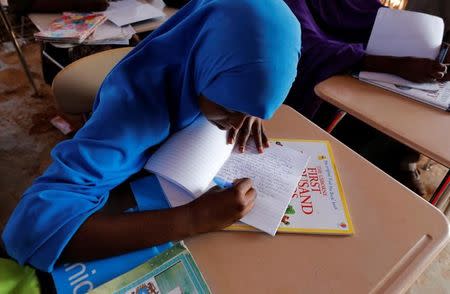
[397, 234]
[420, 126]
[57, 56]
[43, 20]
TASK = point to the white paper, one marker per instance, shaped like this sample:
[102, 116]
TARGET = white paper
[110, 33]
[440, 98]
[275, 174]
[109, 30]
[123, 12]
[393, 79]
[403, 33]
[406, 33]
[175, 195]
[192, 157]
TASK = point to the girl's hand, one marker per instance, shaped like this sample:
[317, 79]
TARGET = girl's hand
[219, 208]
[420, 70]
[252, 126]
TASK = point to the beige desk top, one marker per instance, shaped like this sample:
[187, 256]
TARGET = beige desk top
[397, 236]
[43, 20]
[415, 124]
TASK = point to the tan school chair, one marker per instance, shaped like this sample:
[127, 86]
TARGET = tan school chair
[76, 85]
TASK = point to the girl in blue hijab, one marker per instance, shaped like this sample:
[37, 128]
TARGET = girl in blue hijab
[230, 60]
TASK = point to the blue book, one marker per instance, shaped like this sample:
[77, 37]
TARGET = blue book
[81, 277]
[171, 272]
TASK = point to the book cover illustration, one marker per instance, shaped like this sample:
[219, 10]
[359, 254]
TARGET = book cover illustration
[72, 27]
[172, 272]
[318, 205]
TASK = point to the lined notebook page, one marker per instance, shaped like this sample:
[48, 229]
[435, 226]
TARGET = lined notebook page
[175, 195]
[275, 175]
[192, 157]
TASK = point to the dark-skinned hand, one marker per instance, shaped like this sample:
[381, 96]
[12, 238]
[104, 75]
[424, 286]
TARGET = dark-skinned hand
[251, 127]
[219, 208]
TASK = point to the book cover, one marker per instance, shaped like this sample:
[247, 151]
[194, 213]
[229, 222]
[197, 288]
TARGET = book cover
[172, 272]
[81, 277]
[71, 27]
[318, 205]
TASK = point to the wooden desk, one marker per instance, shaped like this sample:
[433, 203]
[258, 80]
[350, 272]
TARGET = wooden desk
[43, 20]
[415, 124]
[397, 236]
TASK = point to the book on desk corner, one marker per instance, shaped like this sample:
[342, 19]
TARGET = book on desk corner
[409, 34]
[174, 271]
[318, 204]
[71, 27]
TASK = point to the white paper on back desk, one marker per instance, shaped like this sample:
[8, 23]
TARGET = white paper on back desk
[123, 12]
[403, 33]
[189, 160]
[109, 33]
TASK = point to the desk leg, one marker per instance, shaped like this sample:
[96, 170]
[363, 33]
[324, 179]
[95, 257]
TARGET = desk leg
[337, 118]
[443, 189]
[13, 38]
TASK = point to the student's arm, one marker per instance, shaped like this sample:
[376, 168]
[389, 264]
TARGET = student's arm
[60, 211]
[419, 70]
[108, 235]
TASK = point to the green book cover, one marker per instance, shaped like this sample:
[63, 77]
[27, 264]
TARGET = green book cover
[173, 272]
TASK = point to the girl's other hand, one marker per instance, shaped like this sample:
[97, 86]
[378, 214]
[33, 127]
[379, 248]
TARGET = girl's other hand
[219, 208]
[421, 70]
[252, 127]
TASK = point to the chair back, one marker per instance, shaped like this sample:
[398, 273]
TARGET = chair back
[76, 86]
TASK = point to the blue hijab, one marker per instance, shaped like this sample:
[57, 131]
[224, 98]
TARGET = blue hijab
[240, 54]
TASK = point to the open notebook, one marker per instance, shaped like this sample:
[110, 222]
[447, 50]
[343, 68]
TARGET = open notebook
[318, 205]
[188, 162]
[401, 34]
[439, 99]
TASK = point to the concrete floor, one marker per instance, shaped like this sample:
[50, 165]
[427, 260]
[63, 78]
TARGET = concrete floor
[26, 138]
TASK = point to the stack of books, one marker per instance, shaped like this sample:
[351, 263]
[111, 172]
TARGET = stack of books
[71, 27]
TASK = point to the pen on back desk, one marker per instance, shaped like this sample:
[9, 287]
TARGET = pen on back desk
[443, 53]
[222, 183]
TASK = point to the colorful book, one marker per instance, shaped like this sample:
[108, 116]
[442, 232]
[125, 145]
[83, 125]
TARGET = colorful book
[71, 27]
[318, 205]
[172, 272]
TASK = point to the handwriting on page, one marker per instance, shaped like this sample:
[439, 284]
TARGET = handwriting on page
[275, 174]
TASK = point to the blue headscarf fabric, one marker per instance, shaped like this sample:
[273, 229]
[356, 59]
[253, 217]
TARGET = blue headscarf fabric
[240, 54]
